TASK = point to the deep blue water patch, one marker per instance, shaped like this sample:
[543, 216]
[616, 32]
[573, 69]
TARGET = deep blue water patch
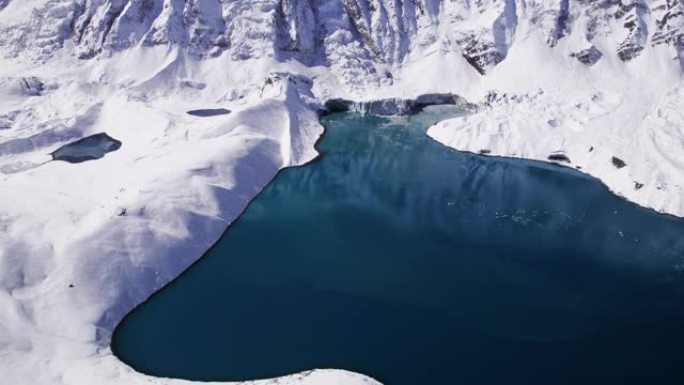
[399, 258]
[88, 148]
[207, 112]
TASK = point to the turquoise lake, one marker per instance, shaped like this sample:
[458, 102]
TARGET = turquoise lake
[396, 257]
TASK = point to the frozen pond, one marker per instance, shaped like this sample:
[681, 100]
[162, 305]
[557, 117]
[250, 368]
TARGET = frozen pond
[207, 112]
[399, 258]
[88, 148]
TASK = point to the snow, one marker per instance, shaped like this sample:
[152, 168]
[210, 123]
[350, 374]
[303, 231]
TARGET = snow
[71, 266]
[632, 111]
[590, 133]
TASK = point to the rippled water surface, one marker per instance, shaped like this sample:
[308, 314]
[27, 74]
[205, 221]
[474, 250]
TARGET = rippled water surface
[399, 258]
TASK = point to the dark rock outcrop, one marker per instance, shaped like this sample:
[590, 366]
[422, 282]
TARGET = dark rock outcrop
[559, 157]
[634, 14]
[589, 56]
[394, 106]
[618, 163]
[337, 105]
[481, 55]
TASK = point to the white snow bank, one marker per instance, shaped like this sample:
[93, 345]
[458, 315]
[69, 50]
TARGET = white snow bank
[633, 112]
[593, 134]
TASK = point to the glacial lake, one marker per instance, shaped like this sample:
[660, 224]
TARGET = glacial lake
[396, 257]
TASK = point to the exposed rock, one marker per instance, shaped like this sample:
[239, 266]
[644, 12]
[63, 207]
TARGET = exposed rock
[669, 23]
[337, 105]
[669, 16]
[618, 163]
[32, 86]
[481, 55]
[394, 106]
[589, 56]
[559, 157]
[635, 13]
[628, 51]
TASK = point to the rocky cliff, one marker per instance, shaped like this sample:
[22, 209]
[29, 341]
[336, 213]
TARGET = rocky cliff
[362, 38]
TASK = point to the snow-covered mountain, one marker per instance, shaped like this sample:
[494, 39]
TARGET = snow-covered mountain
[366, 38]
[600, 82]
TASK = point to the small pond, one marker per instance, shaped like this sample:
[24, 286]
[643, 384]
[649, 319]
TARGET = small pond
[89, 148]
[208, 112]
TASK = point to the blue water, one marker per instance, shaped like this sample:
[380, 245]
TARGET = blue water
[399, 258]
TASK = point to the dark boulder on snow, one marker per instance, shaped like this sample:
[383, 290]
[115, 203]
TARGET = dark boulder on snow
[618, 163]
[559, 157]
[589, 56]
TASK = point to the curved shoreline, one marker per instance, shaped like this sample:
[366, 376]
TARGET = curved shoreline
[182, 181]
[532, 163]
[317, 158]
[540, 128]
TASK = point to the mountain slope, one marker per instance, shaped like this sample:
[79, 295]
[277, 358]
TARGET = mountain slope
[365, 36]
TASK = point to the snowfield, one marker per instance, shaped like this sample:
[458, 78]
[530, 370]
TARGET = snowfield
[83, 243]
[591, 117]
[598, 85]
